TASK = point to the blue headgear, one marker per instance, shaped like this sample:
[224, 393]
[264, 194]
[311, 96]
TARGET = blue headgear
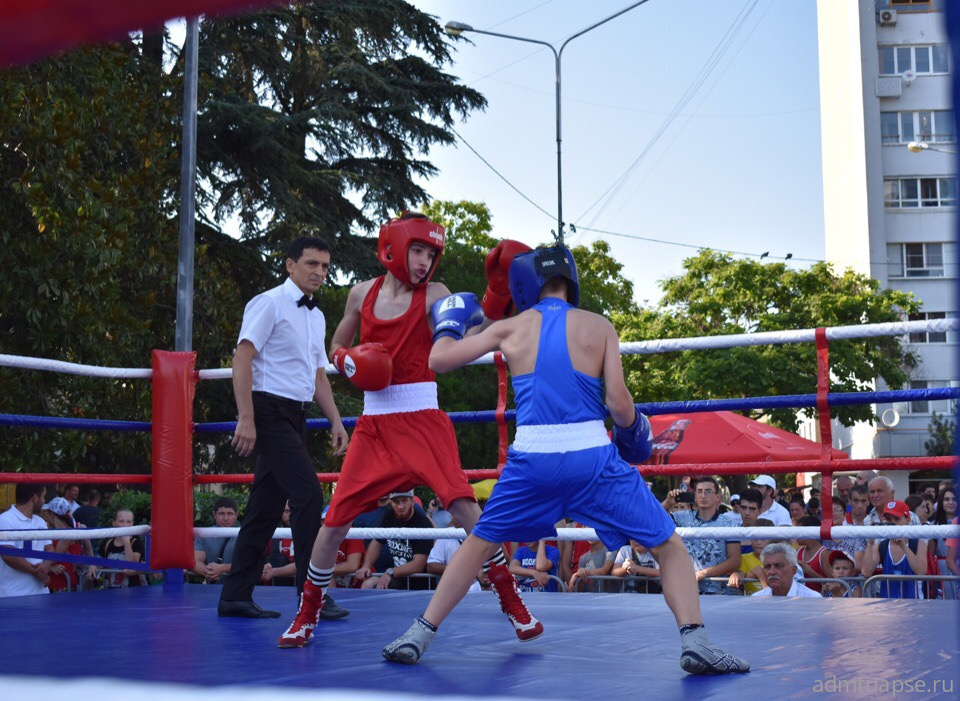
[530, 271]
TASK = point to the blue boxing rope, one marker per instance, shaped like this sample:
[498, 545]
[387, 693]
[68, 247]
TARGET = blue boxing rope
[787, 401]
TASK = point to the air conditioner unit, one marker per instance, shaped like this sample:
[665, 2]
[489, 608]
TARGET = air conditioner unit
[888, 18]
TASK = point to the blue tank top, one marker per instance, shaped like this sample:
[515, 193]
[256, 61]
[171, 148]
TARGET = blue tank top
[898, 590]
[555, 393]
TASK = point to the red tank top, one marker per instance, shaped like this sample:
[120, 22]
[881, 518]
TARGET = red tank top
[814, 564]
[408, 337]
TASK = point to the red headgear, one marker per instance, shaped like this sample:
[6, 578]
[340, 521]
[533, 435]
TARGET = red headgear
[394, 243]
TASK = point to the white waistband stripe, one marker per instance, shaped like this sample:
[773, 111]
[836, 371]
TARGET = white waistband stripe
[399, 399]
[561, 438]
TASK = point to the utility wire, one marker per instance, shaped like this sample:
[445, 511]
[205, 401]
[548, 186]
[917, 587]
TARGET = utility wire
[711, 63]
[683, 126]
[499, 174]
[638, 237]
[618, 233]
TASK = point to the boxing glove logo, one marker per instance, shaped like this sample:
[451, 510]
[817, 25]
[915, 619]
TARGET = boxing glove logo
[452, 302]
[349, 367]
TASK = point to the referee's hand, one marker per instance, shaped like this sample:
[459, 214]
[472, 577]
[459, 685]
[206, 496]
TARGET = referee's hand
[244, 438]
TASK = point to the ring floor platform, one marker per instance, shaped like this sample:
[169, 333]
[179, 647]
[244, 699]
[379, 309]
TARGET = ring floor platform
[110, 644]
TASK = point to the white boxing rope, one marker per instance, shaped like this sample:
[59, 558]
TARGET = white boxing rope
[896, 328]
[19, 361]
[719, 533]
[73, 533]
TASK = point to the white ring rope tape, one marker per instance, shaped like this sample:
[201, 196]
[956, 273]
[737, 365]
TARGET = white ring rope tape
[73, 533]
[718, 533]
[896, 328]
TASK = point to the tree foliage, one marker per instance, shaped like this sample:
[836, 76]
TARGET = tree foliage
[315, 115]
[311, 118]
[717, 295]
[942, 432]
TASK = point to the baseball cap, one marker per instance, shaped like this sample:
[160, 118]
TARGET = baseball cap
[734, 498]
[839, 555]
[58, 505]
[394, 495]
[764, 480]
[896, 508]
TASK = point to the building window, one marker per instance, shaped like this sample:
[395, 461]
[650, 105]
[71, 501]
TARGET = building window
[934, 126]
[915, 259]
[905, 193]
[925, 60]
[927, 406]
[927, 336]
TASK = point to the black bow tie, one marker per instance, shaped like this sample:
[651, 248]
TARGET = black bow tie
[307, 302]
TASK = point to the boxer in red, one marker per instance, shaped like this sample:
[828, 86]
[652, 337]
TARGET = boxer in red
[402, 440]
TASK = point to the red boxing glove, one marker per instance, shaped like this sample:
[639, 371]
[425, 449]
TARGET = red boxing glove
[369, 366]
[497, 302]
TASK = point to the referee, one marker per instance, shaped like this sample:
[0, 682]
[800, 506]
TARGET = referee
[278, 369]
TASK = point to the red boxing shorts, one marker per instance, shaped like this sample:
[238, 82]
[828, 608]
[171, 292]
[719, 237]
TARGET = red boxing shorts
[394, 453]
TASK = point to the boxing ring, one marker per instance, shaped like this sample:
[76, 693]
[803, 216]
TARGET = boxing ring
[168, 641]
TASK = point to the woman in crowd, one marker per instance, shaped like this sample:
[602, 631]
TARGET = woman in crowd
[126, 549]
[946, 513]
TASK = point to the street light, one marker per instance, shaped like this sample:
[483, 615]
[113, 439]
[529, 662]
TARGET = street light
[458, 28]
[918, 146]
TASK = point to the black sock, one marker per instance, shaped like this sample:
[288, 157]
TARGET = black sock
[427, 624]
[689, 626]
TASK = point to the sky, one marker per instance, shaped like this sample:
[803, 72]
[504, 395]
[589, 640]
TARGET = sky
[685, 124]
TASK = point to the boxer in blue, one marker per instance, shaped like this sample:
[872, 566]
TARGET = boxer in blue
[562, 463]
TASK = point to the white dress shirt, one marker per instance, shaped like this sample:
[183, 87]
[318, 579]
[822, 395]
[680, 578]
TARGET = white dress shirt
[289, 342]
[796, 590]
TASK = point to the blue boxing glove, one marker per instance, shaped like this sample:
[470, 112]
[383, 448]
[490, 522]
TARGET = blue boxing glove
[455, 315]
[635, 443]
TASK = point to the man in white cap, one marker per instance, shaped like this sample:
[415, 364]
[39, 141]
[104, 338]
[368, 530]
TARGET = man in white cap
[409, 555]
[770, 509]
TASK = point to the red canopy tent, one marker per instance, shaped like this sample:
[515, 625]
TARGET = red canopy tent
[723, 436]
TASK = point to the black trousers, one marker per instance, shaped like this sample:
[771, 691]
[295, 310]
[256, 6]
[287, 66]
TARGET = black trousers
[283, 471]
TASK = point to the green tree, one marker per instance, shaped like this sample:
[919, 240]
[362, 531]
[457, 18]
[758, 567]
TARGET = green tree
[717, 295]
[942, 431]
[87, 246]
[313, 116]
[310, 119]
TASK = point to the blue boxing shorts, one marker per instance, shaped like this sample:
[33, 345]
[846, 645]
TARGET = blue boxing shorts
[594, 486]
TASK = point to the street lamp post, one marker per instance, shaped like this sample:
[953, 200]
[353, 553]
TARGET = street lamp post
[457, 28]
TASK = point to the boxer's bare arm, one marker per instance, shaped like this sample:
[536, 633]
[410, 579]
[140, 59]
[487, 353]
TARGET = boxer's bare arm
[618, 397]
[448, 354]
[350, 323]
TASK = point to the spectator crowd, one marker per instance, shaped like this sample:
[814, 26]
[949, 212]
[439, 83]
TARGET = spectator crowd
[756, 567]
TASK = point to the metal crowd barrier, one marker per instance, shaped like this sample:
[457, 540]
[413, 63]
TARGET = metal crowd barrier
[878, 578]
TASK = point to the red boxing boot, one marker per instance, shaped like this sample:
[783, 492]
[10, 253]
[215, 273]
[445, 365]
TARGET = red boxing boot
[311, 604]
[505, 587]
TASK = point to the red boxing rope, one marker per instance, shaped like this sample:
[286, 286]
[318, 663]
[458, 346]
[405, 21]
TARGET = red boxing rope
[711, 468]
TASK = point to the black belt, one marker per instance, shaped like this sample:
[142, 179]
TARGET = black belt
[302, 406]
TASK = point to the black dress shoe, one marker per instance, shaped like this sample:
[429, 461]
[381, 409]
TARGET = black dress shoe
[331, 610]
[244, 609]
